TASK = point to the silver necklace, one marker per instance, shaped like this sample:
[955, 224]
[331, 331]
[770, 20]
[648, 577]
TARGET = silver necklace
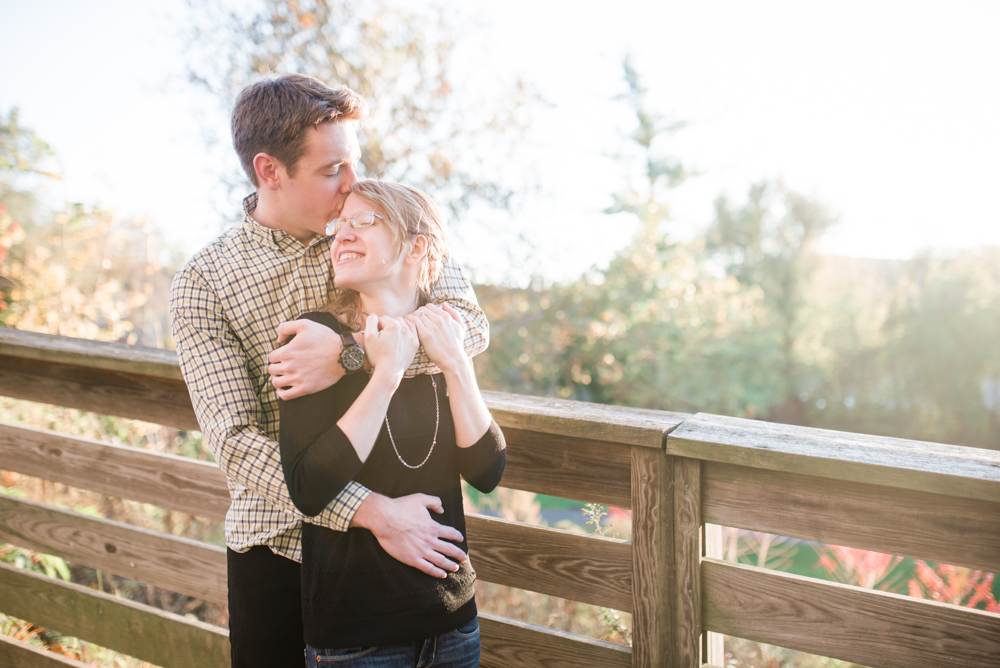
[437, 422]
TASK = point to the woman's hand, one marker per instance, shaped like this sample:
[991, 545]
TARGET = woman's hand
[390, 344]
[442, 334]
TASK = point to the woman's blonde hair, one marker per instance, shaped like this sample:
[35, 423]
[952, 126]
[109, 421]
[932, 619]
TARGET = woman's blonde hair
[407, 213]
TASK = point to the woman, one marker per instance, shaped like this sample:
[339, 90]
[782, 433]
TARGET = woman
[396, 436]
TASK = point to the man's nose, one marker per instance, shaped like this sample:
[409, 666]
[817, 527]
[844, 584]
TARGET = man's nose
[350, 178]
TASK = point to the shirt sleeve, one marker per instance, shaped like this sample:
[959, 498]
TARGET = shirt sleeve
[214, 366]
[482, 463]
[454, 288]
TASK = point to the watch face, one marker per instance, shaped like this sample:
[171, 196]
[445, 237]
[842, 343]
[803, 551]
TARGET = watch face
[352, 358]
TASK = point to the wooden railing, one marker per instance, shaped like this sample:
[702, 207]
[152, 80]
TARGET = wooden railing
[681, 475]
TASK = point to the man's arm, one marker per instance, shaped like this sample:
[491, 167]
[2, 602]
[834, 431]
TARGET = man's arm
[311, 361]
[227, 407]
[229, 412]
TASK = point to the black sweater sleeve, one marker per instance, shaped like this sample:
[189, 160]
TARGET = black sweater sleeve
[482, 463]
[317, 458]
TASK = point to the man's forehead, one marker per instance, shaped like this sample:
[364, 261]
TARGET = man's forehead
[334, 143]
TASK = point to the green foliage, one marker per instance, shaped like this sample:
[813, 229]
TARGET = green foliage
[430, 127]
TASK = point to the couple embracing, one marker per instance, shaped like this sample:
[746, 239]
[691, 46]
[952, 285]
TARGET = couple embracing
[343, 447]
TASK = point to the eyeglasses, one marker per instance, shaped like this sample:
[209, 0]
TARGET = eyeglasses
[357, 221]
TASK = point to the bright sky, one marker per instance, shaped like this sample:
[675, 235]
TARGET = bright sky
[887, 112]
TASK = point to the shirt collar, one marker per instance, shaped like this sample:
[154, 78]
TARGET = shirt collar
[276, 239]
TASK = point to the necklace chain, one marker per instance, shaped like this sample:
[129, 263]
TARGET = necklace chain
[437, 422]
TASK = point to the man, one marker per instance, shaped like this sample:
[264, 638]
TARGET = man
[297, 142]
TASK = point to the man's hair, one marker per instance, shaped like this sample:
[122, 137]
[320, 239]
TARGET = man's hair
[272, 116]
[407, 213]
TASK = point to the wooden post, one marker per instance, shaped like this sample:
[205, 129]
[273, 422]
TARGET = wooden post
[666, 554]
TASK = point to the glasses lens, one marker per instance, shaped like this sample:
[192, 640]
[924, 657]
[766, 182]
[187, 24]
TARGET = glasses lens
[363, 219]
[334, 226]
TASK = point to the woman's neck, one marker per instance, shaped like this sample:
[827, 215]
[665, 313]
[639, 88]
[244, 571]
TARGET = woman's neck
[393, 303]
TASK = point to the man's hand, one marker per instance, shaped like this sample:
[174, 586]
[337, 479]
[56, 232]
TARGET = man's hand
[310, 362]
[405, 530]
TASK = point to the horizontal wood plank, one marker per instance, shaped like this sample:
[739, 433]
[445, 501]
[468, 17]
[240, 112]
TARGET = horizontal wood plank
[869, 627]
[590, 569]
[178, 564]
[930, 467]
[613, 424]
[168, 481]
[573, 468]
[107, 392]
[90, 354]
[946, 529]
[159, 637]
[17, 654]
[507, 643]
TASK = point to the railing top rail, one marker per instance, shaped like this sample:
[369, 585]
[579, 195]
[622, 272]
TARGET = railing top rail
[89, 354]
[574, 419]
[953, 470]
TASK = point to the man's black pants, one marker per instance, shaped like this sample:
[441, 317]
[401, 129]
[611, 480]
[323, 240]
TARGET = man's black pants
[265, 610]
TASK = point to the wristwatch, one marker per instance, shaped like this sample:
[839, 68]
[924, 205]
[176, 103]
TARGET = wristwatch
[352, 357]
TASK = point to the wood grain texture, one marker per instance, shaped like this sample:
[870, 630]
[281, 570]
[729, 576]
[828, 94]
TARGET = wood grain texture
[178, 564]
[17, 654]
[560, 563]
[930, 467]
[159, 637]
[613, 424]
[573, 468]
[869, 627]
[923, 525]
[90, 354]
[511, 644]
[168, 481]
[150, 398]
[685, 593]
[653, 573]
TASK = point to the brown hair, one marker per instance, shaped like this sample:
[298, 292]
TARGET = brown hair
[272, 117]
[407, 213]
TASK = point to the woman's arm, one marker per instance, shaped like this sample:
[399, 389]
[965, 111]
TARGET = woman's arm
[481, 445]
[391, 344]
[319, 458]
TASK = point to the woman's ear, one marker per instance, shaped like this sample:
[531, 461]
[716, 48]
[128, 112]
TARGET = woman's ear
[417, 250]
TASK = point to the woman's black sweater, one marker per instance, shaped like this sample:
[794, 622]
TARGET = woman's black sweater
[353, 593]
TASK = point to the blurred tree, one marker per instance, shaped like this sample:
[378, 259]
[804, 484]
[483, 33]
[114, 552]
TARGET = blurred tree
[447, 132]
[658, 328]
[79, 270]
[769, 243]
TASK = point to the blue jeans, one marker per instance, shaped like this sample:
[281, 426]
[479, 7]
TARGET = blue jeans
[454, 649]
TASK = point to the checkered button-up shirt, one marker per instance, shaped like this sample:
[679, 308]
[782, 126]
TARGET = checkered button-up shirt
[225, 305]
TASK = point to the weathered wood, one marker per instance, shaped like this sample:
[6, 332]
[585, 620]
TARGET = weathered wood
[578, 419]
[686, 589]
[90, 354]
[591, 569]
[168, 481]
[930, 467]
[17, 654]
[653, 572]
[149, 398]
[923, 525]
[178, 564]
[869, 627]
[713, 651]
[146, 633]
[511, 644]
[572, 468]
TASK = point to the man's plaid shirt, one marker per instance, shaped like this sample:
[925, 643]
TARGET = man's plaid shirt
[225, 306]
